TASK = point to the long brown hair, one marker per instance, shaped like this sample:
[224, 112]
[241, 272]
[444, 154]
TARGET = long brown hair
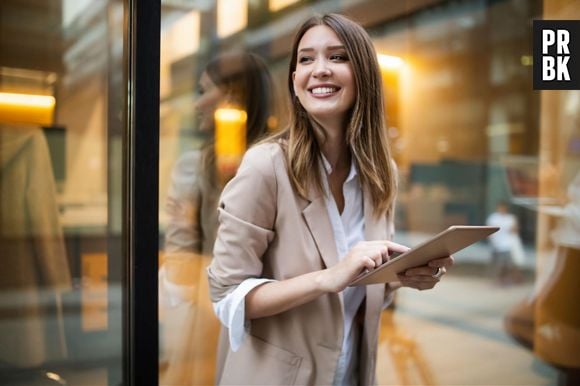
[366, 132]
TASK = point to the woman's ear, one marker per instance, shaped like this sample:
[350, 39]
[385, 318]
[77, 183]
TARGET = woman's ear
[229, 99]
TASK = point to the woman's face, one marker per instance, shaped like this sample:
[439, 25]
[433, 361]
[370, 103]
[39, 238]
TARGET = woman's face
[324, 80]
[208, 101]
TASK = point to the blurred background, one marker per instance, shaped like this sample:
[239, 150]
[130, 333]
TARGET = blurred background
[467, 130]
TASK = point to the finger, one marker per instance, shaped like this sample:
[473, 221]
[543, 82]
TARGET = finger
[395, 247]
[391, 245]
[419, 279]
[379, 251]
[423, 270]
[368, 263]
[438, 271]
[384, 254]
[425, 286]
[442, 262]
[378, 259]
[422, 283]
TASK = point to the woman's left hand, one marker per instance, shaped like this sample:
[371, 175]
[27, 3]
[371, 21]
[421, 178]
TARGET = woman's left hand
[426, 276]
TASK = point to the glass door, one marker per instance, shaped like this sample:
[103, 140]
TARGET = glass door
[72, 139]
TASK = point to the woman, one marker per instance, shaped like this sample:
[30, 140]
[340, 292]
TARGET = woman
[189, 330]
[240, 80]
[308, 210]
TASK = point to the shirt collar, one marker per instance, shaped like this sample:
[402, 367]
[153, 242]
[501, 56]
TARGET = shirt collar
[328, 167]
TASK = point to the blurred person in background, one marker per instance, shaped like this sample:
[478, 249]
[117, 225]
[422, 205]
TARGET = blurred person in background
[309, 209]
[236, 82]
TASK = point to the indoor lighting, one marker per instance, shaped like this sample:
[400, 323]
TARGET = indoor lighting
[388, 62]
[183, 37]
[230, 115]
[527, 60]
[26, 108]
[276, 5]
[230, 140]
[27, 100]
[232, 17]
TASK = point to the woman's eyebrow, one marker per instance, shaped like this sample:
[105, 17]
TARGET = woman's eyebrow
[329, 48]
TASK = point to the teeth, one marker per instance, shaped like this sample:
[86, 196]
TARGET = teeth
[323, 90]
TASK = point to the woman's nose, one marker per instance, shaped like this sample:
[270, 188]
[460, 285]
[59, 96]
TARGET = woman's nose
[321, 69]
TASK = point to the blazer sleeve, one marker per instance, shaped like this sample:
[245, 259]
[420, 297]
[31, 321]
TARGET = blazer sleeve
[42, 210]
[246, 216]
[182, 207]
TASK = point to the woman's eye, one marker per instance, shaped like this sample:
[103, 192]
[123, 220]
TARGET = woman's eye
[339, 57]
[304, 59]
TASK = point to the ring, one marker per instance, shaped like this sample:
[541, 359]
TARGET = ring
[438, 274]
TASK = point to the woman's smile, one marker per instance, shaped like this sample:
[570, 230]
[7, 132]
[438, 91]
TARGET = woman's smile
[324, 90]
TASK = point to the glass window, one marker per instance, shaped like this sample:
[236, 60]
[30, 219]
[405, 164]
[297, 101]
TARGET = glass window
[474, 144]
[62, 105]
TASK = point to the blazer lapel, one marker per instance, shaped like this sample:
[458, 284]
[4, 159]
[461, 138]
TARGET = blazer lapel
[318, 223]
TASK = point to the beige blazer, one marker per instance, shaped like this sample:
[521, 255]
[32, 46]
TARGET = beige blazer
[267, 230]
[35, 267]
[191, 204]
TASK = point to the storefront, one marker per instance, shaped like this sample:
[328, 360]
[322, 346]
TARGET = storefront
[103, 104]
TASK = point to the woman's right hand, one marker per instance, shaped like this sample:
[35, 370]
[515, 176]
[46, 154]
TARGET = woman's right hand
[278, 296]
[365, 255]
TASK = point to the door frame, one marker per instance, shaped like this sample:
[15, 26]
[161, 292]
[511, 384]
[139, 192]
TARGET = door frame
[140, 190]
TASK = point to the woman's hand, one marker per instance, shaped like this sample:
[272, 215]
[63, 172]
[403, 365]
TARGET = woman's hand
[365, 255]
[426, 276]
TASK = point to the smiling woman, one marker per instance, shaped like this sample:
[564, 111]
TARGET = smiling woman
[453, 134]
[323, 79]
[308, 210]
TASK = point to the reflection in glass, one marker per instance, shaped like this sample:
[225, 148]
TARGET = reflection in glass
[230, 140]
[409, 363]
[61, 107]
[232, 16]
[276, 5]
[35, 271]
[232, 110]
[26, 108]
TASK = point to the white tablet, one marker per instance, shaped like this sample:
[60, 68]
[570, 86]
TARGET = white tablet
[451, 240]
